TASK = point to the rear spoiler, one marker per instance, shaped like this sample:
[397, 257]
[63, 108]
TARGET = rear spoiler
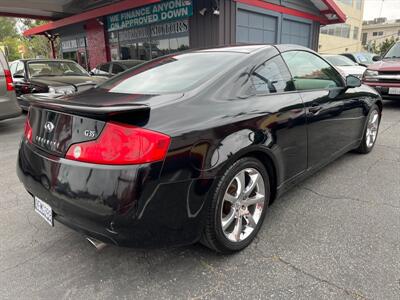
[91, 111]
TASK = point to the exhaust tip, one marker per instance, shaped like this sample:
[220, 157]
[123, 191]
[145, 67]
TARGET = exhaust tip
[99, 245]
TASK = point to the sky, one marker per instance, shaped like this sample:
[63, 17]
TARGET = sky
[390, 9]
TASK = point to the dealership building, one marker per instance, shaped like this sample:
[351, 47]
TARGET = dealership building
[96, 31]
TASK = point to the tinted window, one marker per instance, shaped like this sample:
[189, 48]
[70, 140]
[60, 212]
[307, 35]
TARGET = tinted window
[116, 68]
[272, 77]
[104, 68]
[172, 74]
[310, 72]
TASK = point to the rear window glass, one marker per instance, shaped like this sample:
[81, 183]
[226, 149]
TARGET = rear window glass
[171, 74]
[340, 61]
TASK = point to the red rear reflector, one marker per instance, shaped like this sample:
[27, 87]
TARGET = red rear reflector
[28, 130]
[121, 144]
[9, 80]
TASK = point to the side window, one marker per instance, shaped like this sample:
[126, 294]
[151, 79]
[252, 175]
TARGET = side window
[20, 70]
[272, 77]
[116, 68]
[104, 69]
[310, 72]
[13, 68]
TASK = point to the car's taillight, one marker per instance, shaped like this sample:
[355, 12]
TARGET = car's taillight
[9, 80]
[120, 144]
[28, 130]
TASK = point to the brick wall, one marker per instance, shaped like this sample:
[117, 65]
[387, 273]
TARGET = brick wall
[96, 43]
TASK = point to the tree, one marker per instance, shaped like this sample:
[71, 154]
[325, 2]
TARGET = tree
[9, 37]
[382, 47]
[386, 45]
[8, 28]
[38, 45]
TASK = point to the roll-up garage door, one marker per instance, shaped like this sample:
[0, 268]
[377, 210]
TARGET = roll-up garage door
[256, 28]
[294, 32]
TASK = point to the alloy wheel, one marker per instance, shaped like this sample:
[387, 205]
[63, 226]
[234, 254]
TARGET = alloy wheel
[372, 129]
[243, 204]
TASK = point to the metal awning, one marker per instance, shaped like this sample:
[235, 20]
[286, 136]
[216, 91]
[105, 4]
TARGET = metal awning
[68, 12]
[48, 9]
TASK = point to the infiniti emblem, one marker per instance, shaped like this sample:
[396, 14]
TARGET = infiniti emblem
[48, 126]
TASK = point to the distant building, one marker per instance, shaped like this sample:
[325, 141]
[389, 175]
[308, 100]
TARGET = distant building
[346, 37]
[92, 32]
[378, 30]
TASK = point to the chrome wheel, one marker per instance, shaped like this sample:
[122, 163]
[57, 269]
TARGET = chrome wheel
[243, 204]
[372, 129]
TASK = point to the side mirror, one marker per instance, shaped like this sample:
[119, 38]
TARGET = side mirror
[91, 73]
[376, 58]
[353, 81]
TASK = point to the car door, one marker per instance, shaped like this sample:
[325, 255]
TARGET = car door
[285, 121]
[334, 113]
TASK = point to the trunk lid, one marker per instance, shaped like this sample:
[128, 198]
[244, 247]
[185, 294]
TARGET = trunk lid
[59, 123]
[54, 131]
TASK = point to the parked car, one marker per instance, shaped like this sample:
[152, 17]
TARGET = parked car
[8, 100]
[115, 67]
[384, 75]
[53, 77]
[144, 161]
[362, 58]
[346, 65]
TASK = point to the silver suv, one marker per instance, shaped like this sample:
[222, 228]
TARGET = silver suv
[8, 101]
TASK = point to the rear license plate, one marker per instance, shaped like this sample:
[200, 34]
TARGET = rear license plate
[394, 91]
[44, 210]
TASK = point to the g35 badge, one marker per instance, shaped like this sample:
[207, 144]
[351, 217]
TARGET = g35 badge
[90, 133]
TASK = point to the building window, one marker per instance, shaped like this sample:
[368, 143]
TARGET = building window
[364, 38]
[380, 33]
[355, 33]
[374, 33]
[149, 42]
[341, 30]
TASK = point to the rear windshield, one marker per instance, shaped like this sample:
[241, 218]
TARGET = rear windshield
[55, 68]
[171, 74]
[365, 58]
[341, 61]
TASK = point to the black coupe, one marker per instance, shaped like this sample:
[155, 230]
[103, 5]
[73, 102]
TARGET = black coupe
[192, 146]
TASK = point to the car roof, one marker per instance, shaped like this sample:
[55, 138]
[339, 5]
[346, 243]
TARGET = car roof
[234, 48]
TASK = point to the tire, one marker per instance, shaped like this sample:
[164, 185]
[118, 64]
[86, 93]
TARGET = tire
[221, 211]
[366, 146]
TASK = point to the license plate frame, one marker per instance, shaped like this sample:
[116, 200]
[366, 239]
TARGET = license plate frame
[394, 91]
[44, 210]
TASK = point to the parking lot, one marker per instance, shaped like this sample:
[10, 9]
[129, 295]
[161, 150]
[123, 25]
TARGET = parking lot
[335, 236]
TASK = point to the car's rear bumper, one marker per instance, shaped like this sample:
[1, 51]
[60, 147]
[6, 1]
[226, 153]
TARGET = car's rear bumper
[126, 205]
[383, 89]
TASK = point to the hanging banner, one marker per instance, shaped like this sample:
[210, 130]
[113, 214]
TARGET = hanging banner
[159, 12]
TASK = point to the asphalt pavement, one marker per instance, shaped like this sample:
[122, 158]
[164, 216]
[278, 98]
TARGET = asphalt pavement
[334, 236]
